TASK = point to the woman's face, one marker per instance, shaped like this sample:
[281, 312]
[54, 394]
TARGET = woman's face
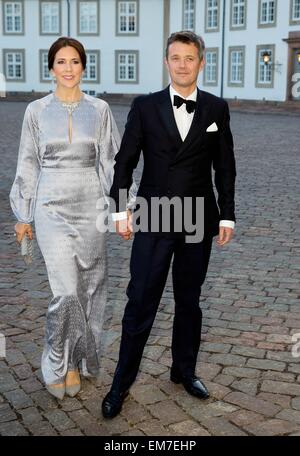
[67, 67]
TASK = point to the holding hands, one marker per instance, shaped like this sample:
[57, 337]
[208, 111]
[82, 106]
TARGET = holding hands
[124, 227]
[22, 229]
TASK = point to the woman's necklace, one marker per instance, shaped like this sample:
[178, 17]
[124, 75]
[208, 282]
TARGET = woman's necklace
[70, 107]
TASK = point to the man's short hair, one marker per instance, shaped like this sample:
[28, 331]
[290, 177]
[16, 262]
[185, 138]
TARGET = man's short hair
[187, 37]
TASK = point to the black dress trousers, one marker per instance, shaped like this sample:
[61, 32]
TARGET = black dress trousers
[149, 266]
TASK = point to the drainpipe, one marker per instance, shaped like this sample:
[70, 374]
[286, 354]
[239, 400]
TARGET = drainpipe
[68, 6]
[223, 49]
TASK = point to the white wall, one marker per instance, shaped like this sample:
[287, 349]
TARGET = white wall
[250, 38]
[150, 45]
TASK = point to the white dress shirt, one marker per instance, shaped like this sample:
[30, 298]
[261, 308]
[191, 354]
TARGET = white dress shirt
[183, 121]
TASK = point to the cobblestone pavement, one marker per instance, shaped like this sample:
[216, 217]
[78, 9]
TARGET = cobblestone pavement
[250, 302]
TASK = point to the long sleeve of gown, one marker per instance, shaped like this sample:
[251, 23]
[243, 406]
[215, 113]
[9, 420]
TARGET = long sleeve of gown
[109, 146]
[23, 191]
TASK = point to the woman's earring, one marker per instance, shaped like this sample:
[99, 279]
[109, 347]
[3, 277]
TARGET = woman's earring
[54, 81]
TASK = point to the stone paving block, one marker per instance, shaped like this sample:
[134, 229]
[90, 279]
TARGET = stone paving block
[243, 417]
[31, 385]
[23, 371]
[147, 394]
[280, 399]
[44, 400]
[280, 387]
[207, 371]
[253, 335]
[224, 332]
[279, 338]
[271, 346]
[294, 368]
[42, 428]
[224, 380]
[168, 412]
[12, 428]
[273, 427]
[249, 352]
[71, 433]
[241, 372]
[285, 356]
[188, 428]
[266, 364]
[221, 427]
[281, 330]
[246, 385]
[6, 413]
[154, 353]
[228, 360]
[7, 381]
[70, 404]
[59, 420]
[86, 423]
[296, 403]
[152, 367]
[135, 413]
[215, 348]
[253, 404]
[278, 376]
[216, 391]
[204, 410]
[290, 415]
[30, 415]
[154, 427]
[18, 399]
[244, 326]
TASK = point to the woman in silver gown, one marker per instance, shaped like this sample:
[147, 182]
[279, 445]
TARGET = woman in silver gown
[65, 164]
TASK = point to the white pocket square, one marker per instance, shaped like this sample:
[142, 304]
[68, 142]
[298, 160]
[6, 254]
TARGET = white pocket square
[212, 127]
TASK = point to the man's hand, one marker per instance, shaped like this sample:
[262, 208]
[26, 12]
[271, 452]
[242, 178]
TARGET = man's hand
[225, 235]
[124, 227]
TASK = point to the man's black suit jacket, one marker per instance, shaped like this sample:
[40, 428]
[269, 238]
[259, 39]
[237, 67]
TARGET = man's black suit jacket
[173, 167]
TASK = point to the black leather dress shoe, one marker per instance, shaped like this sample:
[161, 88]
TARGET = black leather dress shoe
[112, 403]
[192, 385]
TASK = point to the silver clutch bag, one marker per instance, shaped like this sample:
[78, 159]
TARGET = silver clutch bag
[27, 249]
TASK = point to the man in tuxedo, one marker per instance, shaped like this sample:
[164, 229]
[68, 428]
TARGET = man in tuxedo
[183, 132]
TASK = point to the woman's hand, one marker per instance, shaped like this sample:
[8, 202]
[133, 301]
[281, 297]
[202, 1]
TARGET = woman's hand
[23, 229]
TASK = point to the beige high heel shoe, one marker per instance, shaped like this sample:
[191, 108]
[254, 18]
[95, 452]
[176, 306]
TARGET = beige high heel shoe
[57, 390]
[73, 384]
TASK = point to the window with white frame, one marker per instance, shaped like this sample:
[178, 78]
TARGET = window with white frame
[127, 66]
[188, 14]
[236, 67]
[45, 73]
[91, 73]
[265, 71]
[13, 17]
[88, 17]
[50, 18]
[212, 14]
[296, 10]
[127, 17]
[14, 65]
[211, 67]
[238, 13]
[267, 12]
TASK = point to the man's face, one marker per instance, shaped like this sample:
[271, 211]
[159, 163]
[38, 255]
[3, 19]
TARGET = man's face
[184, 64]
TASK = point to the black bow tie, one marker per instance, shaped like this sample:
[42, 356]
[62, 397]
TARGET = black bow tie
[190, 104]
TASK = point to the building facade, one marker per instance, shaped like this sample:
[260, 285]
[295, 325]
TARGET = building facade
[252, 46]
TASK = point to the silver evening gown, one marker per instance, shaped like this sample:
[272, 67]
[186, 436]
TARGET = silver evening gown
[61, 173]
